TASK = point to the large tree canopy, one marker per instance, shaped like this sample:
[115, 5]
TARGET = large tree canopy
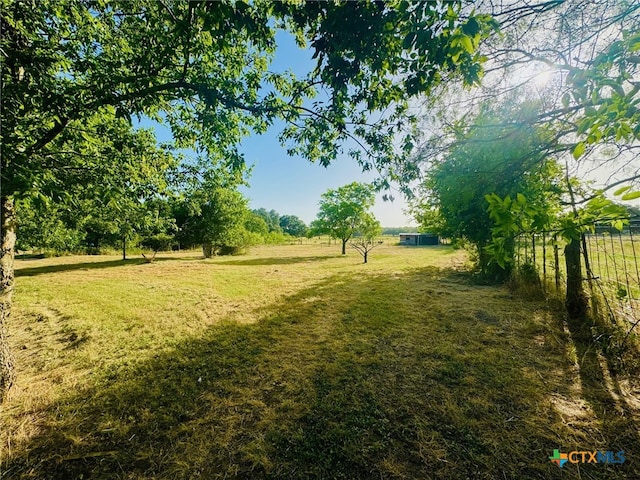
[203, 67]
[580, 60]
[216, 219]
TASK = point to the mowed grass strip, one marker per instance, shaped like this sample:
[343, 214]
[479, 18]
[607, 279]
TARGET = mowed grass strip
[295, 362]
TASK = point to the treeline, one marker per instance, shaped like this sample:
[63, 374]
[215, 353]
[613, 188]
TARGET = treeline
[399, 230]
[218, 220]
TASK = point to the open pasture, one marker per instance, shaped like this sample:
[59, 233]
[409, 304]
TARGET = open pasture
[296, 362]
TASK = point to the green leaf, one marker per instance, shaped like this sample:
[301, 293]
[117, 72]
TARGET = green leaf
[585, 124]
[631, 196]
[409, 40]
[467, 43]
[578, 150]
[621, 190]
[471, 28]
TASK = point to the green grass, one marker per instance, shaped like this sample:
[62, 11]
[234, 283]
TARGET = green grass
[295, 362]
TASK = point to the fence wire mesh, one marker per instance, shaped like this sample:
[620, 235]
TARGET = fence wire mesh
[610, 267]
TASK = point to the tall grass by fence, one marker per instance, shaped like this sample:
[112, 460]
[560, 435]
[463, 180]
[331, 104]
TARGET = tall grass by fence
[610, 268]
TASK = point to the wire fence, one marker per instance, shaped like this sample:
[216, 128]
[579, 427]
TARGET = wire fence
[610, 267]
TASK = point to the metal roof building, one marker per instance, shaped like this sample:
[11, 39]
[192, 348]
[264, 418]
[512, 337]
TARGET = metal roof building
[419, 239]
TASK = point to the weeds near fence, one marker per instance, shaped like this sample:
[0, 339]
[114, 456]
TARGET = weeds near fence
[611, 272]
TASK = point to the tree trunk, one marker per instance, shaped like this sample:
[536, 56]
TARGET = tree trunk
[207, 250]
[483, 259]
[576, 300]
[365, 256]
[124, 247]
[7, 254]
[344, 246]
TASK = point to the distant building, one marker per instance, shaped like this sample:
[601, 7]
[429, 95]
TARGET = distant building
[419, 239]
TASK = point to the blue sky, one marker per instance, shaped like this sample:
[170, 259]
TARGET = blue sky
[293, 185]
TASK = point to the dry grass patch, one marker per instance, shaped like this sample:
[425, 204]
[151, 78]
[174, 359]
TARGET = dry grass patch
[295, 362]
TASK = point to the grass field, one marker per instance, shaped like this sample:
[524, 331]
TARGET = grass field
[295, 362]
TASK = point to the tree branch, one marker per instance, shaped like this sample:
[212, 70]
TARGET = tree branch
[48, 137]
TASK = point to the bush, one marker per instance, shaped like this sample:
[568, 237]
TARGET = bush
[276, 238]
[525, 280]
[237, 242]
[158, 243]
[231, 250]
[528, 273]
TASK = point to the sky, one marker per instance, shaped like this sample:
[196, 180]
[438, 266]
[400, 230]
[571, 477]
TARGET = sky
[293, 185]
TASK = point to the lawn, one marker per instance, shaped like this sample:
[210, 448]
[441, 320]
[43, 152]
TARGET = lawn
[294, 362]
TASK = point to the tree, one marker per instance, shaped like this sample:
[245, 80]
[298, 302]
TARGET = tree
[216, 219]
[271, 218]
[203, 68]
[590, 48]
[496, 154]
[365, 238]
[255, 223]
[157, 230]
[46, 226]
[129, 218]
[342, 211]
[578, 58]
[316, 229]
[156, 243]
[293, 226]
[112, 174]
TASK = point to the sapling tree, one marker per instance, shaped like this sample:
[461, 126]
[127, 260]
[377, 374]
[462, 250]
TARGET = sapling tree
[366, 236]
[158, 242]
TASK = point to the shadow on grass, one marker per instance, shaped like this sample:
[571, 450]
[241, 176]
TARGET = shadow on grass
[277, 260]
[33, 271]
[602, 391]
[401, 376]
